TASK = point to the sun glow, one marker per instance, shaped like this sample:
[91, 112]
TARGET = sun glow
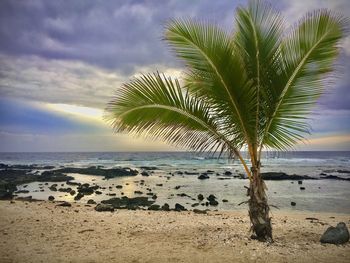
[78, 111]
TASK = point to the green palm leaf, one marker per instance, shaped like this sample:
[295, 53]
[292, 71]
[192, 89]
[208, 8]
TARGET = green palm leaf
[155, 106]
[307, 56]
[215, 73]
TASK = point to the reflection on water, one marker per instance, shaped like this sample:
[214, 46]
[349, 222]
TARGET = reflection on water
[319, 195]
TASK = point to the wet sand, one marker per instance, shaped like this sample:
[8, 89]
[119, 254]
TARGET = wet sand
[42, 232]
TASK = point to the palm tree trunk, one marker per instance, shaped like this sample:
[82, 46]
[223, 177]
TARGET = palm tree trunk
[258, 208]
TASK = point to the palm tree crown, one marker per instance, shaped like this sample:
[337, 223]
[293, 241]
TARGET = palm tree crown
[252, 88]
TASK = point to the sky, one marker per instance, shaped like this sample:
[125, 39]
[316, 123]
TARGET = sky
[62, 61]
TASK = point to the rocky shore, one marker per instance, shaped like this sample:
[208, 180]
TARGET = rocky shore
[52, 180]
[45, 231]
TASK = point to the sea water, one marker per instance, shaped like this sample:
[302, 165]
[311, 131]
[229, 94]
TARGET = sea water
[319, 195]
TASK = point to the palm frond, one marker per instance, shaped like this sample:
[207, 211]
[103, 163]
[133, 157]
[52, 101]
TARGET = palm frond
[155, 106]
[307, 57]
[215, 73]
[258, 35]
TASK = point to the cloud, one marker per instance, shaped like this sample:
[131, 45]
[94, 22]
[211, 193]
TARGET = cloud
[62, 81]
[80, 53]
[108, 34]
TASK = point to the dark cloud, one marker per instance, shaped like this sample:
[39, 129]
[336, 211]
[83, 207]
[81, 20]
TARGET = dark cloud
[110, 34]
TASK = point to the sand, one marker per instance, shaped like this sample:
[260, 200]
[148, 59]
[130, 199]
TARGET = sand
[42, 232]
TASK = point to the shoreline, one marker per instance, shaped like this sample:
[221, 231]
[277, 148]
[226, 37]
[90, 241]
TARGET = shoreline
[43, 232]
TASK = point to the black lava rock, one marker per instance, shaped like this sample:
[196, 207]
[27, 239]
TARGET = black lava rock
[179, 207]
[66, 204]
[203, 176]
[336, 235]
[154, 207]
[200, 197]
[104, 208]
[166, 207]
[91, 202]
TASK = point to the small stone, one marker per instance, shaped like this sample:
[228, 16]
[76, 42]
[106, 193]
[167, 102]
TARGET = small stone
[165, 207]
[336, 235]
[179, 207]
[66, 204]
[51, 198]
[104, 207]
[200, 197]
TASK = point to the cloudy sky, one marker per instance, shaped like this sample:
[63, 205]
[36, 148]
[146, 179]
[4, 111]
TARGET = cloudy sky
[61, 61]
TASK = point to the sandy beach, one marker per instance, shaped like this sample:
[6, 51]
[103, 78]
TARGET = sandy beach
[43, 232]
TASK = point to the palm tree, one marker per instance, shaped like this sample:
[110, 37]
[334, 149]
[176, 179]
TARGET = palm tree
[251, 89]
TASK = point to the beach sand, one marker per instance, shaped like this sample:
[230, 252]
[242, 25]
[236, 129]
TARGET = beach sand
[42, 232]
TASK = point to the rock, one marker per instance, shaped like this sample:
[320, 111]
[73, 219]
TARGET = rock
[159, 184]
[53, 187]
[6, 190]
[22, 192]
[302, 188]
[126, 202]
[144, 173]
[65, 204]
[195, 204]
[119, 187]
[334, 177]
[154, 207]
[51, 198]
[227, 173]
[191, 173]
[65, 190]
[98, 192]
[200, 197]
[78, 196]
[284, 176]
[165, 207]
[72, 192]
[293, 203]
[98, 171]
[26, 198]
[53, 176]
[198, 211]
[72, 183]
[177, 187]
[224, 200]
[300, 182]
[91, 202]
[138, 192]
[154, 197]
[213, 202]
[179, 208]
[104, 208]
[148, 168]
[211, 198]
[183, 195]
[336, 235]
[86, 189]
[203, 176]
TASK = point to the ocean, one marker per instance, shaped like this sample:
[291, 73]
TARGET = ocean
[319, 195]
